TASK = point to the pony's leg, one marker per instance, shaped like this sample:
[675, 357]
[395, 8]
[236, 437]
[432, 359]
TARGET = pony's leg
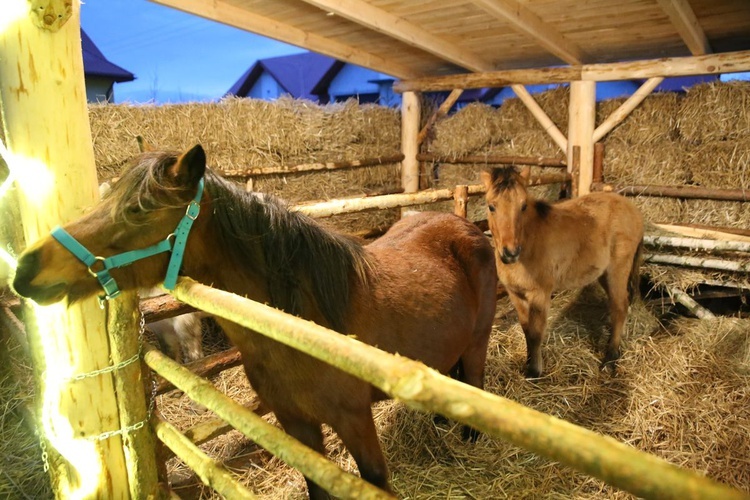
[616, 285]
[357, 431]
[473, 362]
[311, 436]
[532, 314]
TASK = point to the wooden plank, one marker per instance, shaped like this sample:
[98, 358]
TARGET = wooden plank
[399, 28]
[690, 192]
[525, 21]
[312, 167]
[683, 18]
[539, 161]
[225, 12]
[445, 106]
[712, 64]
[582, 115]
[702, 231]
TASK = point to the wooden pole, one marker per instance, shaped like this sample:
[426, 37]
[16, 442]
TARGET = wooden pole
[51, 157]
[312, 167]
[410, 116]
[697, 243]
[313, 465]
[699, 262]
[538, 161]
[691, 305]
[598, 174]
[547, 124]
[704, 231]
[582, 115]
[690, 192]
[423, 388]
[210, 471]
[460, 200]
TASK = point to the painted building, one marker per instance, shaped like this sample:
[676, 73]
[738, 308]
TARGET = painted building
[100, 74]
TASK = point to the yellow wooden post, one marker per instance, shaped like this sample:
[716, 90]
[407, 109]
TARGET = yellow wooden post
[49, 153]
[410, 114]
[582, 117]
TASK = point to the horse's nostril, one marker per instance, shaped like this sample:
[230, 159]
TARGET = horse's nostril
[27, 269]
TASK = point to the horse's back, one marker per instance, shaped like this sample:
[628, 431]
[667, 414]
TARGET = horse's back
[434, 279]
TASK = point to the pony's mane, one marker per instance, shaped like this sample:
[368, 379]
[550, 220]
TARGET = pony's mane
[504, 178]
[296, 252]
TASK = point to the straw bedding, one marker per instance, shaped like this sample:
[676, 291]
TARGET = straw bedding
[682, 387]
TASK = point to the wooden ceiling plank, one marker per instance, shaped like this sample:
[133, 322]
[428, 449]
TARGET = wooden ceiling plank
[710, 64]
[529, 23]
[223, 12]
[379, 20]
[683, 18]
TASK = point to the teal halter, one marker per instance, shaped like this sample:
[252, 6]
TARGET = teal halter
[174, 242]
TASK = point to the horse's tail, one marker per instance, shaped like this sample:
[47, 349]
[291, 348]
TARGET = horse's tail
[634, 281]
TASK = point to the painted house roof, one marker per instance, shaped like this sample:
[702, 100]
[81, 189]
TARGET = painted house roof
[95, 64]
[298, 74]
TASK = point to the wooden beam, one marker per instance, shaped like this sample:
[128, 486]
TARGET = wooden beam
[547, 124]
[525, 21]
[539, 161]
[439, 113]
[711, 64]
[683, 18]
[626, 108]
[687, 192]
[224, 12]
[384, 22]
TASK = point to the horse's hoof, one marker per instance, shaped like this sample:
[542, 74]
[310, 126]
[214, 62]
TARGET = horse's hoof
[532, 372]
[439, 419]
[609, 365]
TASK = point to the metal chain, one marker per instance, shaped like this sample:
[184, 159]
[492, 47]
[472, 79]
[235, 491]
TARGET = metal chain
[43, 446]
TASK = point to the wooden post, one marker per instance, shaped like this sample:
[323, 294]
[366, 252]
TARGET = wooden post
[460, 199]
[51, 157]
[581, 130]
[410, 110]
[598, 174]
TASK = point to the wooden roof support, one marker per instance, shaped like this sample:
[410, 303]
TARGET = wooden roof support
[224, 12]
[626, 108]
[525, 21]
[711, 64]
[439, 113]
[683, 18]
[547, 124]
[396, 27]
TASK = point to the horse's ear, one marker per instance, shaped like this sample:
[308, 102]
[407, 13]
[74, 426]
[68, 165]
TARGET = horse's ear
[143, 145]
[190, 167]
[486, 177]
[525, 174]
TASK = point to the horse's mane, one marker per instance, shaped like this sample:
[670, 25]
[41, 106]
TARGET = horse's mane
[296, 252]
[505, 178]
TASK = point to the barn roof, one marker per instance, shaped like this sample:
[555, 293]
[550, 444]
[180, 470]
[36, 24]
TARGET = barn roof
[298, 74]
[429, 38]
[95, 64]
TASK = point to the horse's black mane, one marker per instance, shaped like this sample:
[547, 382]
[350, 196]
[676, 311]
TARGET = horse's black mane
[262, 234]
[507, 178]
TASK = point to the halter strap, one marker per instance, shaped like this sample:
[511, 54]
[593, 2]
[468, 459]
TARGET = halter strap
[174, 242]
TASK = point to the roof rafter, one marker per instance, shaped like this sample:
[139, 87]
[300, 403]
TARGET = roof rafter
[683, 18]
[374, 18]
[224, 12]
[527, 22]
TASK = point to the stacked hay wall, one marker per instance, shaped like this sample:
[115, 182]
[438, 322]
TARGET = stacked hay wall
[240, 133]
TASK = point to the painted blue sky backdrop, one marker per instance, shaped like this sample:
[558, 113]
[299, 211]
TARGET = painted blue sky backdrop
[176, 57]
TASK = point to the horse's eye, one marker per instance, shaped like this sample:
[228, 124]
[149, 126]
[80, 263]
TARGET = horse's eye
[491, 208]
[133, 209]
[523, 207]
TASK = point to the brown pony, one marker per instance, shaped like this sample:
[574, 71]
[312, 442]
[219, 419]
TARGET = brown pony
[425, 290]
[541, 248]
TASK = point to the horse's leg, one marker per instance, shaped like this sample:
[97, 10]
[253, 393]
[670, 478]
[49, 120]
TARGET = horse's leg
[357, 431]
[616, 284]
[474, 359]
[311, 436]
[532, 314]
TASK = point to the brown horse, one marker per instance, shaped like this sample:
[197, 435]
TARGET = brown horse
[541, 248]
[425, 290]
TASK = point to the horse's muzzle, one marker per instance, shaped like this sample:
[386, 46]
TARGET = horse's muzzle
[28, 269]
[509, 256]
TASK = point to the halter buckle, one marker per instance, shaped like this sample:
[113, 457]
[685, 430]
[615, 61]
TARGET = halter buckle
[192, 210]
[93, 273]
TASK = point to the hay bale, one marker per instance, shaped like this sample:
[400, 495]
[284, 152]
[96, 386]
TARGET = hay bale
[715, 111]
[654, 121]
[720, 164]
[625, 163]
[468, 131]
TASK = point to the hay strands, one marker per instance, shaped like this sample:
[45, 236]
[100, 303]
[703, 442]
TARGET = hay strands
[700, 262]
[696, 243]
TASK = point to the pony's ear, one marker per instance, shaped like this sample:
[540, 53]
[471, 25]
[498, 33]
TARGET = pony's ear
[143, 145]
[189, 168]
[486, 177]
[525, 174]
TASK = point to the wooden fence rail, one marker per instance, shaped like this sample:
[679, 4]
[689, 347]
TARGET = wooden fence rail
[423, 388]
[690, 192]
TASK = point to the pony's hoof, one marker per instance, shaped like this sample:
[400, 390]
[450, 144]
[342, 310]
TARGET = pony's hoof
[609, 365]
[439, 420]
[532, 372]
